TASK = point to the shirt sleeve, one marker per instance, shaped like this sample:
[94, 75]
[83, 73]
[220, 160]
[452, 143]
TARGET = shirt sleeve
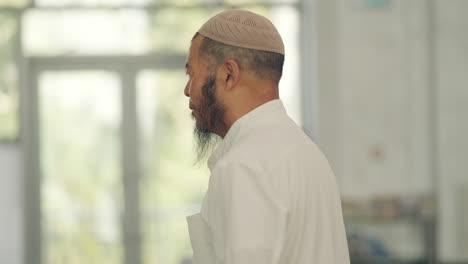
[252, 219]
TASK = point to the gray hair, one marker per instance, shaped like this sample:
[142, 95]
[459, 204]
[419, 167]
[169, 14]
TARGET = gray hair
[265, 64]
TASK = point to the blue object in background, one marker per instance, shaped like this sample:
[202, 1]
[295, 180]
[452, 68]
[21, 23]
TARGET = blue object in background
[377, 248]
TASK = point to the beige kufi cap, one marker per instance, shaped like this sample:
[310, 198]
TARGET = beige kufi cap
[243, 29]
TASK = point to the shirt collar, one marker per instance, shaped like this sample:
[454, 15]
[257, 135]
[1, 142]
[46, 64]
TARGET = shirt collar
[253, 118]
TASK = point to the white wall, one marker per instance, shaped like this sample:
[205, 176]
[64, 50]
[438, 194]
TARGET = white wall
[451, 47]
[393, 99]
[373, 79]
[10, 204]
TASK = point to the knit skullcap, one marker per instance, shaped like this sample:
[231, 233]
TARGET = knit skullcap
[243, 29]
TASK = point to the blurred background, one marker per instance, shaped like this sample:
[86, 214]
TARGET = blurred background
[96, 151]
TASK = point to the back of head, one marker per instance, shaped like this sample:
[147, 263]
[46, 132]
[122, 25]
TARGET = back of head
[248, 38]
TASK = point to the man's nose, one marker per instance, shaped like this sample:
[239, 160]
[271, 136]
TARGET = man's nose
[186, 90]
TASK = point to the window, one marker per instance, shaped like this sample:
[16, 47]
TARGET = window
[115, 151]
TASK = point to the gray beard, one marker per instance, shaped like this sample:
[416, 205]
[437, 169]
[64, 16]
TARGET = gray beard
[210, 121]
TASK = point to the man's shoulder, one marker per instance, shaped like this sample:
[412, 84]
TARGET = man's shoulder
[271, 140]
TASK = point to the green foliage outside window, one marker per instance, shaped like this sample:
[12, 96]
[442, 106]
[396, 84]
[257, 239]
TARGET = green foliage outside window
[9, 124]
[171, 185]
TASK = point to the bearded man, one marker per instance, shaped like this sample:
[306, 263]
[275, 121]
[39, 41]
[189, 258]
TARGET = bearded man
[272, 196]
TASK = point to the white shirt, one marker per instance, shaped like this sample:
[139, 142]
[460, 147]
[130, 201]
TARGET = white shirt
[272, 197]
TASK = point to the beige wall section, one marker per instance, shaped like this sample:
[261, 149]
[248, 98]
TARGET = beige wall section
[11, 213]
[451, 28]
[329, 108]
[373, 96]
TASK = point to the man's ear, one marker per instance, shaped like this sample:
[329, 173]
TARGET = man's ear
[231, 74]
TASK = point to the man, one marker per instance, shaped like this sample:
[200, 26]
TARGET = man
[272, 196]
